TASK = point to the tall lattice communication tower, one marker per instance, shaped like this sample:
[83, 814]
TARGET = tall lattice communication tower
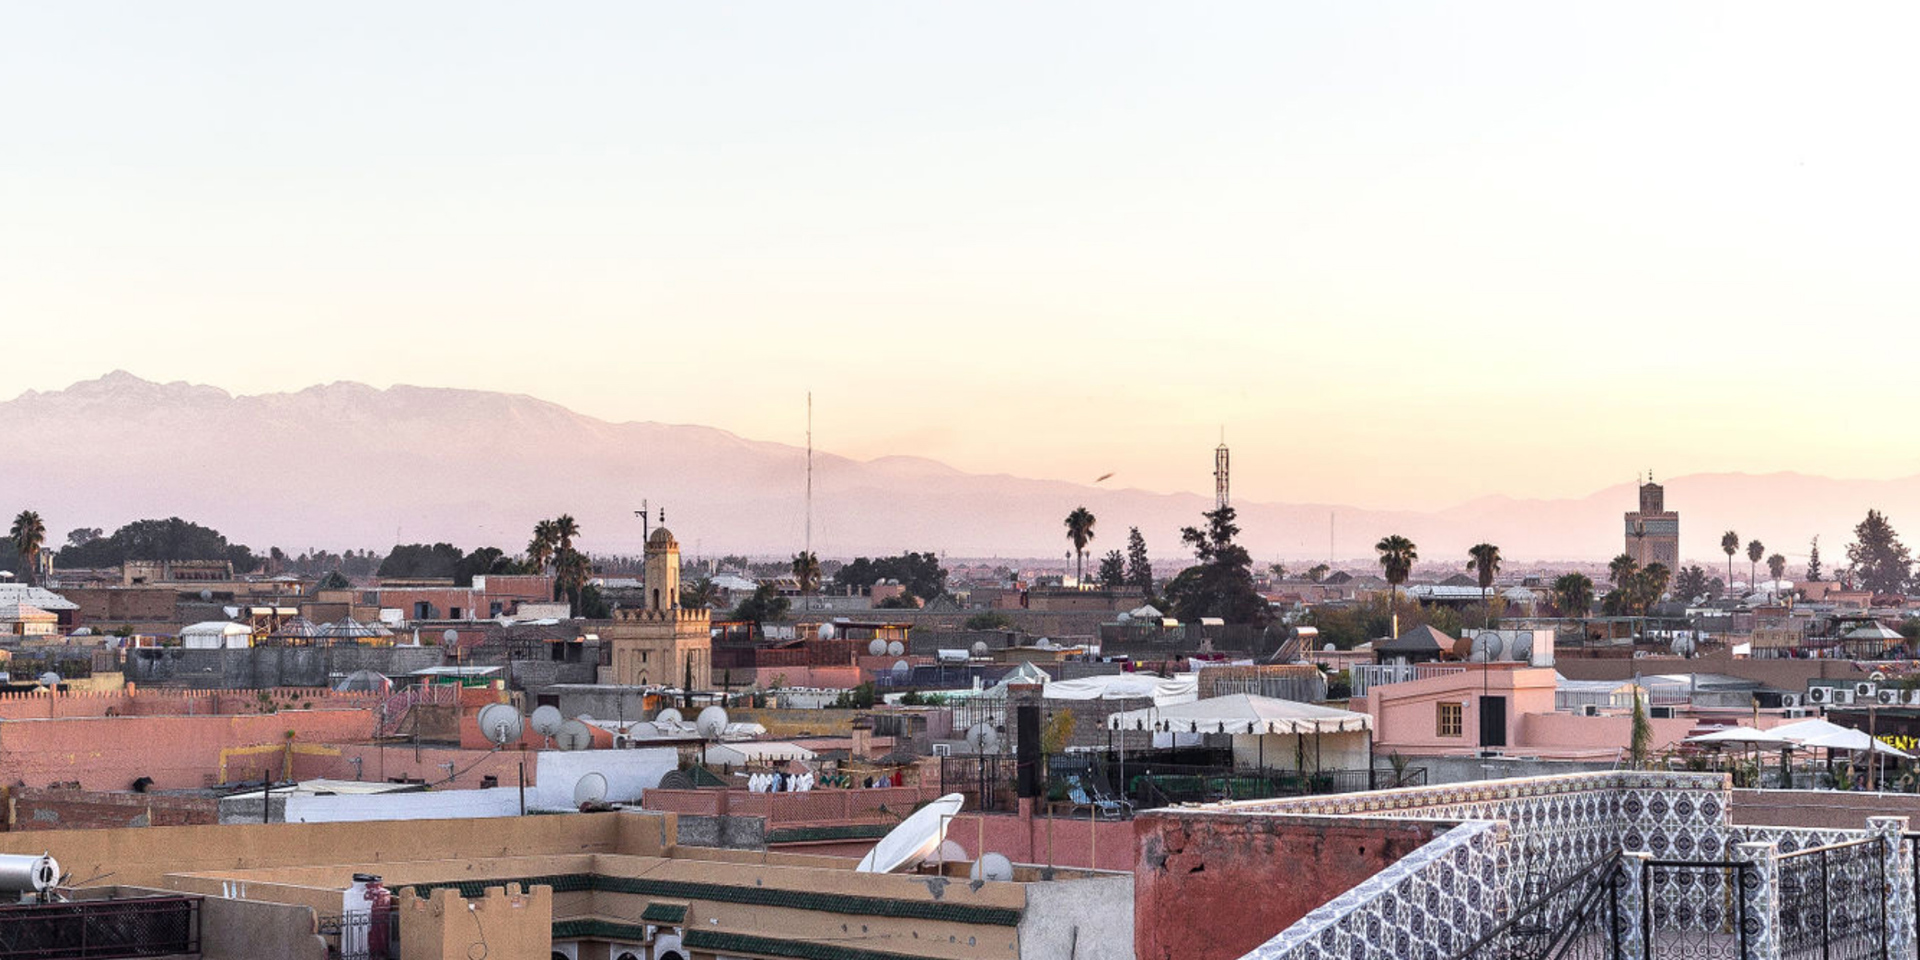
[1220, 473]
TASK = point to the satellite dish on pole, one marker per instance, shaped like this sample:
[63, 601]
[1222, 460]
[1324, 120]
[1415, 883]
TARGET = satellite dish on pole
[500, 723]
[206, 594]
[547, 720]
[1486, 647]
[877, 648]
[826, 631]
[896, 648]
[711, 723]
[451, 636]
[982, 738]
[590, 790]
[573, 735]
[902, 670]
[979, 648]
[49, 679]
[992, 866]
[1683, 645]
[669, 715]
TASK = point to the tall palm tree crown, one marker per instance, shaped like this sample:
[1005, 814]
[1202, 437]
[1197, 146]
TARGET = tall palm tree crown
[1080, 531]
[806, 570]
[1573, 594]
[1621, 570]
[1730, 542]
[1755, 551]
[1397, 555]
[1777, 565]
[565, 528]
[540, 548]
[29, 534]
[1484, 559]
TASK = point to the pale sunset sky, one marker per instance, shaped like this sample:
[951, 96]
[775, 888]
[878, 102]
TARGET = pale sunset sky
[1407, 254]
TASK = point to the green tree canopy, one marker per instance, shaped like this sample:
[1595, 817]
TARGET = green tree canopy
[920, 573]
[1113, 569]
[1139, 567]
[1879, 560]
[765, 605]
[1221, 585]
[169, 539]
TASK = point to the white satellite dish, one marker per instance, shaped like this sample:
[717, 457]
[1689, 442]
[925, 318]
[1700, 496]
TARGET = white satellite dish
[949, 852]
[1683, 645]
[902, 670]
[979, 648]
[896, 648]
[1487, 647]
[992, 866]
[451, 635]
[49, 679]
[915, 839]
[547, 720]
[591, 788]
[500, 723]
[206, 594]
[711, 723]
[877, 648]
[573, 735]
[827, 631]
[1328, 648]
[1521, 648]
[982, 738]
[669, 715]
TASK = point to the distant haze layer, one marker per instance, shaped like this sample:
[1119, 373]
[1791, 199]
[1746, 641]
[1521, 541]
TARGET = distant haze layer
[346, 465]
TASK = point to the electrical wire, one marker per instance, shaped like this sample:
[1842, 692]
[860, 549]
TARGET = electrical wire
[482, 944]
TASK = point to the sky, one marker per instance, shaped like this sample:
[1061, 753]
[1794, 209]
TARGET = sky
[1405, 255]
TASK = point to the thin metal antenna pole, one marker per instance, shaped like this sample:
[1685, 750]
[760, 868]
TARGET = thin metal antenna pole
[809, 540]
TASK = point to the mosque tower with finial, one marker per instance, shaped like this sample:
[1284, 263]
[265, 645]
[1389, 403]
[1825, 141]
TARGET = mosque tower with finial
[1653, 531]
[662, 643]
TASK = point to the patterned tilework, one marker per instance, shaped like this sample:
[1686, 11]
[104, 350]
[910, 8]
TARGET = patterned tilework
[1430, 904]
[1521, 833]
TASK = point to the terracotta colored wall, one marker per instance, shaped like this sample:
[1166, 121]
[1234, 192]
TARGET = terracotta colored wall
[1568, 735]
[161, 702]
[28, 808]
[1203, 883]
[1056, 840]
[109, 753]
[397, 761]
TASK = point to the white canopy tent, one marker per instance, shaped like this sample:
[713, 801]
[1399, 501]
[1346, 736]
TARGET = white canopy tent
[1183, 688]
[1314, 736]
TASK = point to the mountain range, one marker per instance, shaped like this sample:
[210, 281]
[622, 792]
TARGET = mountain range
[347, 465]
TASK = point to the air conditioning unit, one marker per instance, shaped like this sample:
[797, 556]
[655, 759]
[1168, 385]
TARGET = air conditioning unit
[1865, 690]
[1790, 700]
[1913, 696]
[1891, 697]
[1589, 709]
[1843, 697]
[1820, 695]
[1793, 713]
[943, 749]
[1661, 713]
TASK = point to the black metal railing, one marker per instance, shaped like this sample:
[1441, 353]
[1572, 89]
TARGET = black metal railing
[100, 929]
[1576, 918]
[1833, 902]
[1161, 784]
[1696, 908]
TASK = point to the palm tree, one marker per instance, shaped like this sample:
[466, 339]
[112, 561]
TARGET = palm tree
[1621, 571]
[1653, 582]
[1397, 555]
[564, 530]
[701, 594]
[540, 548]
[1777, 565]
[1573, 594]
[1755, 551]
[1080, 531]
[1730, 542]
[29, 534]
[571, 569]
[806, 569]
[1484, 558]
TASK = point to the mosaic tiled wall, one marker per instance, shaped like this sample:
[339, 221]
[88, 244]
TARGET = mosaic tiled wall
[1524, 834]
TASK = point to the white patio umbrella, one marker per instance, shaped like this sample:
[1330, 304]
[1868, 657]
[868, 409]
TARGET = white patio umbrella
[1746, 735]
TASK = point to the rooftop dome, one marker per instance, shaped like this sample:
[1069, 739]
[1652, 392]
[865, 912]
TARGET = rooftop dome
[661, 537]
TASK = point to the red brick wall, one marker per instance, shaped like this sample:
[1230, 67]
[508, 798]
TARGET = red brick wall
[29, 808]
[1214, 886]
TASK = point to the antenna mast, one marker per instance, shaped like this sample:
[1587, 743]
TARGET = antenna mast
[808, 546]
[642, 513]
[1220, 472]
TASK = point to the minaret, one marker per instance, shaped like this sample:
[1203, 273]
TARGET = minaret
[663, 570]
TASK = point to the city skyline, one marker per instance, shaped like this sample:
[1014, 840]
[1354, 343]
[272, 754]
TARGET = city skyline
[1515, 249]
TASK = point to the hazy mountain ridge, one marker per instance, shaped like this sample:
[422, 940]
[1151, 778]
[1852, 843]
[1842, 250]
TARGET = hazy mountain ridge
[344, 464]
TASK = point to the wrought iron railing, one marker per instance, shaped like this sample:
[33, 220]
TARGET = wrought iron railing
[1578, 916]
[1696, 908]
[1833, 902]
[100, 929]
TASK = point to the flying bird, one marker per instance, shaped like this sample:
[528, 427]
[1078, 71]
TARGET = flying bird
[1102, 477]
